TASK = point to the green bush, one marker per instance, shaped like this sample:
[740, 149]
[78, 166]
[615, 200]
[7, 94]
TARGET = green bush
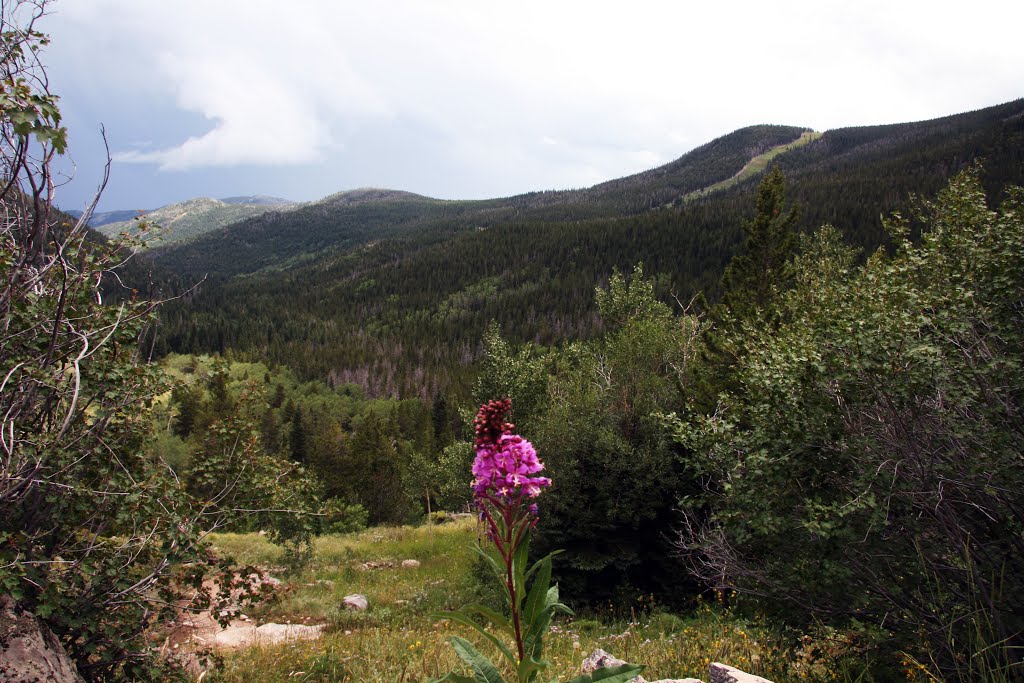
[865, 468]
[341, 517]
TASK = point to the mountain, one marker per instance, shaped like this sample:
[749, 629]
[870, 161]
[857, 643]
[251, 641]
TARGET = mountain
[257, 200]
[347, 219]
[101, 218]
[393, 290]
[188, 220]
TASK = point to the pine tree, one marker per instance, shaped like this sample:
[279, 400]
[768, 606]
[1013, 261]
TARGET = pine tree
[752, 278]
[299, 446]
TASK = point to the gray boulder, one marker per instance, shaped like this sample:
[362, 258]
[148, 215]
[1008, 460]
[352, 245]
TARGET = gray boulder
[29, 652]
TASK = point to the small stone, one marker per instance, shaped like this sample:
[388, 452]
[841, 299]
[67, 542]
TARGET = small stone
[723, 673]
[410, 564]
[355, 602]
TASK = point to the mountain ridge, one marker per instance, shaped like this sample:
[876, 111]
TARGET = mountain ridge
[401, 291]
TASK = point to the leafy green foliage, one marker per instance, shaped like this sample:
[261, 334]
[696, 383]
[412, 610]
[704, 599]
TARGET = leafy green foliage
[241, 485]
[617, 477]
[866, 466]
[327, 446]
[342, 518]
[441, 479]
[96, 538]
[518, 375]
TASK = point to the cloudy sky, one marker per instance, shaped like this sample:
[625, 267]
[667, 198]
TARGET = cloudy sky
[478, 98]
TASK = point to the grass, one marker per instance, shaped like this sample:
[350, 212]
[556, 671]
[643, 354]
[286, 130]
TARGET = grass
[397, 639]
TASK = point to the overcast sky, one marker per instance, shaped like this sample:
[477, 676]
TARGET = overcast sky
[478, 98]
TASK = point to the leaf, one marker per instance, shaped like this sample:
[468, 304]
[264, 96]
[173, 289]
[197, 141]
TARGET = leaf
[612, 674]
[453, 678]
[529, 667]
[483, 670]
[498, 572]
[538, 563]
[463, 619]
[537, 629]
[538, 591]
[519, 560]
[494, 617]
[617, 674]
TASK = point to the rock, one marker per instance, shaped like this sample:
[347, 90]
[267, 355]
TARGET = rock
[599, 659]
[377, 564]
[410, 564]
[276, 633]
[723, 673]
[29, 651]
[245, 635]
[355, 602]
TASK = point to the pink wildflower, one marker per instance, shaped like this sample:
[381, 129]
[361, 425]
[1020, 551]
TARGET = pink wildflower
[506, 467]
[504, 461]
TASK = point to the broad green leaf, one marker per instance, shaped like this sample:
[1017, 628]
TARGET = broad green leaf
[538, 591]
[483, 670]
[538, 563]
[612, 674]
[519, 560]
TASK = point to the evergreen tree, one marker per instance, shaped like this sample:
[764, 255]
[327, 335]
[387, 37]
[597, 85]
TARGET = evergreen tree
[444, 435]
[377, 478]
[188, 398]
[298, 439]
[753, 278]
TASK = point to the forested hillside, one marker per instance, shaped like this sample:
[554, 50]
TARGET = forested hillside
[393, 291]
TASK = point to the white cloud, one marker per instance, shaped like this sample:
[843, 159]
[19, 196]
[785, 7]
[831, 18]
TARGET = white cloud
[618, 87]
[271, 83]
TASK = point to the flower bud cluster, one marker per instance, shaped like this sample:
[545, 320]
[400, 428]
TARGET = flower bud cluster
[489, 424]
[505, 463]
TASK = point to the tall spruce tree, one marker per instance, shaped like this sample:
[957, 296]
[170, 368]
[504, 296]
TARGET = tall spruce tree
[752, 278]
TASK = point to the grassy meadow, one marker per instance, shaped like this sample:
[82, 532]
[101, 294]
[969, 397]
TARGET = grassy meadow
[397, 639]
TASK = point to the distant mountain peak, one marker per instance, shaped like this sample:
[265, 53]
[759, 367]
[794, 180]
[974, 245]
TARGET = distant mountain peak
[363, 195]
[257, 200]
[191, 218]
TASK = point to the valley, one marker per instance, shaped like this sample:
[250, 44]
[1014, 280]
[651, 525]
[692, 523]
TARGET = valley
[763, 403]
